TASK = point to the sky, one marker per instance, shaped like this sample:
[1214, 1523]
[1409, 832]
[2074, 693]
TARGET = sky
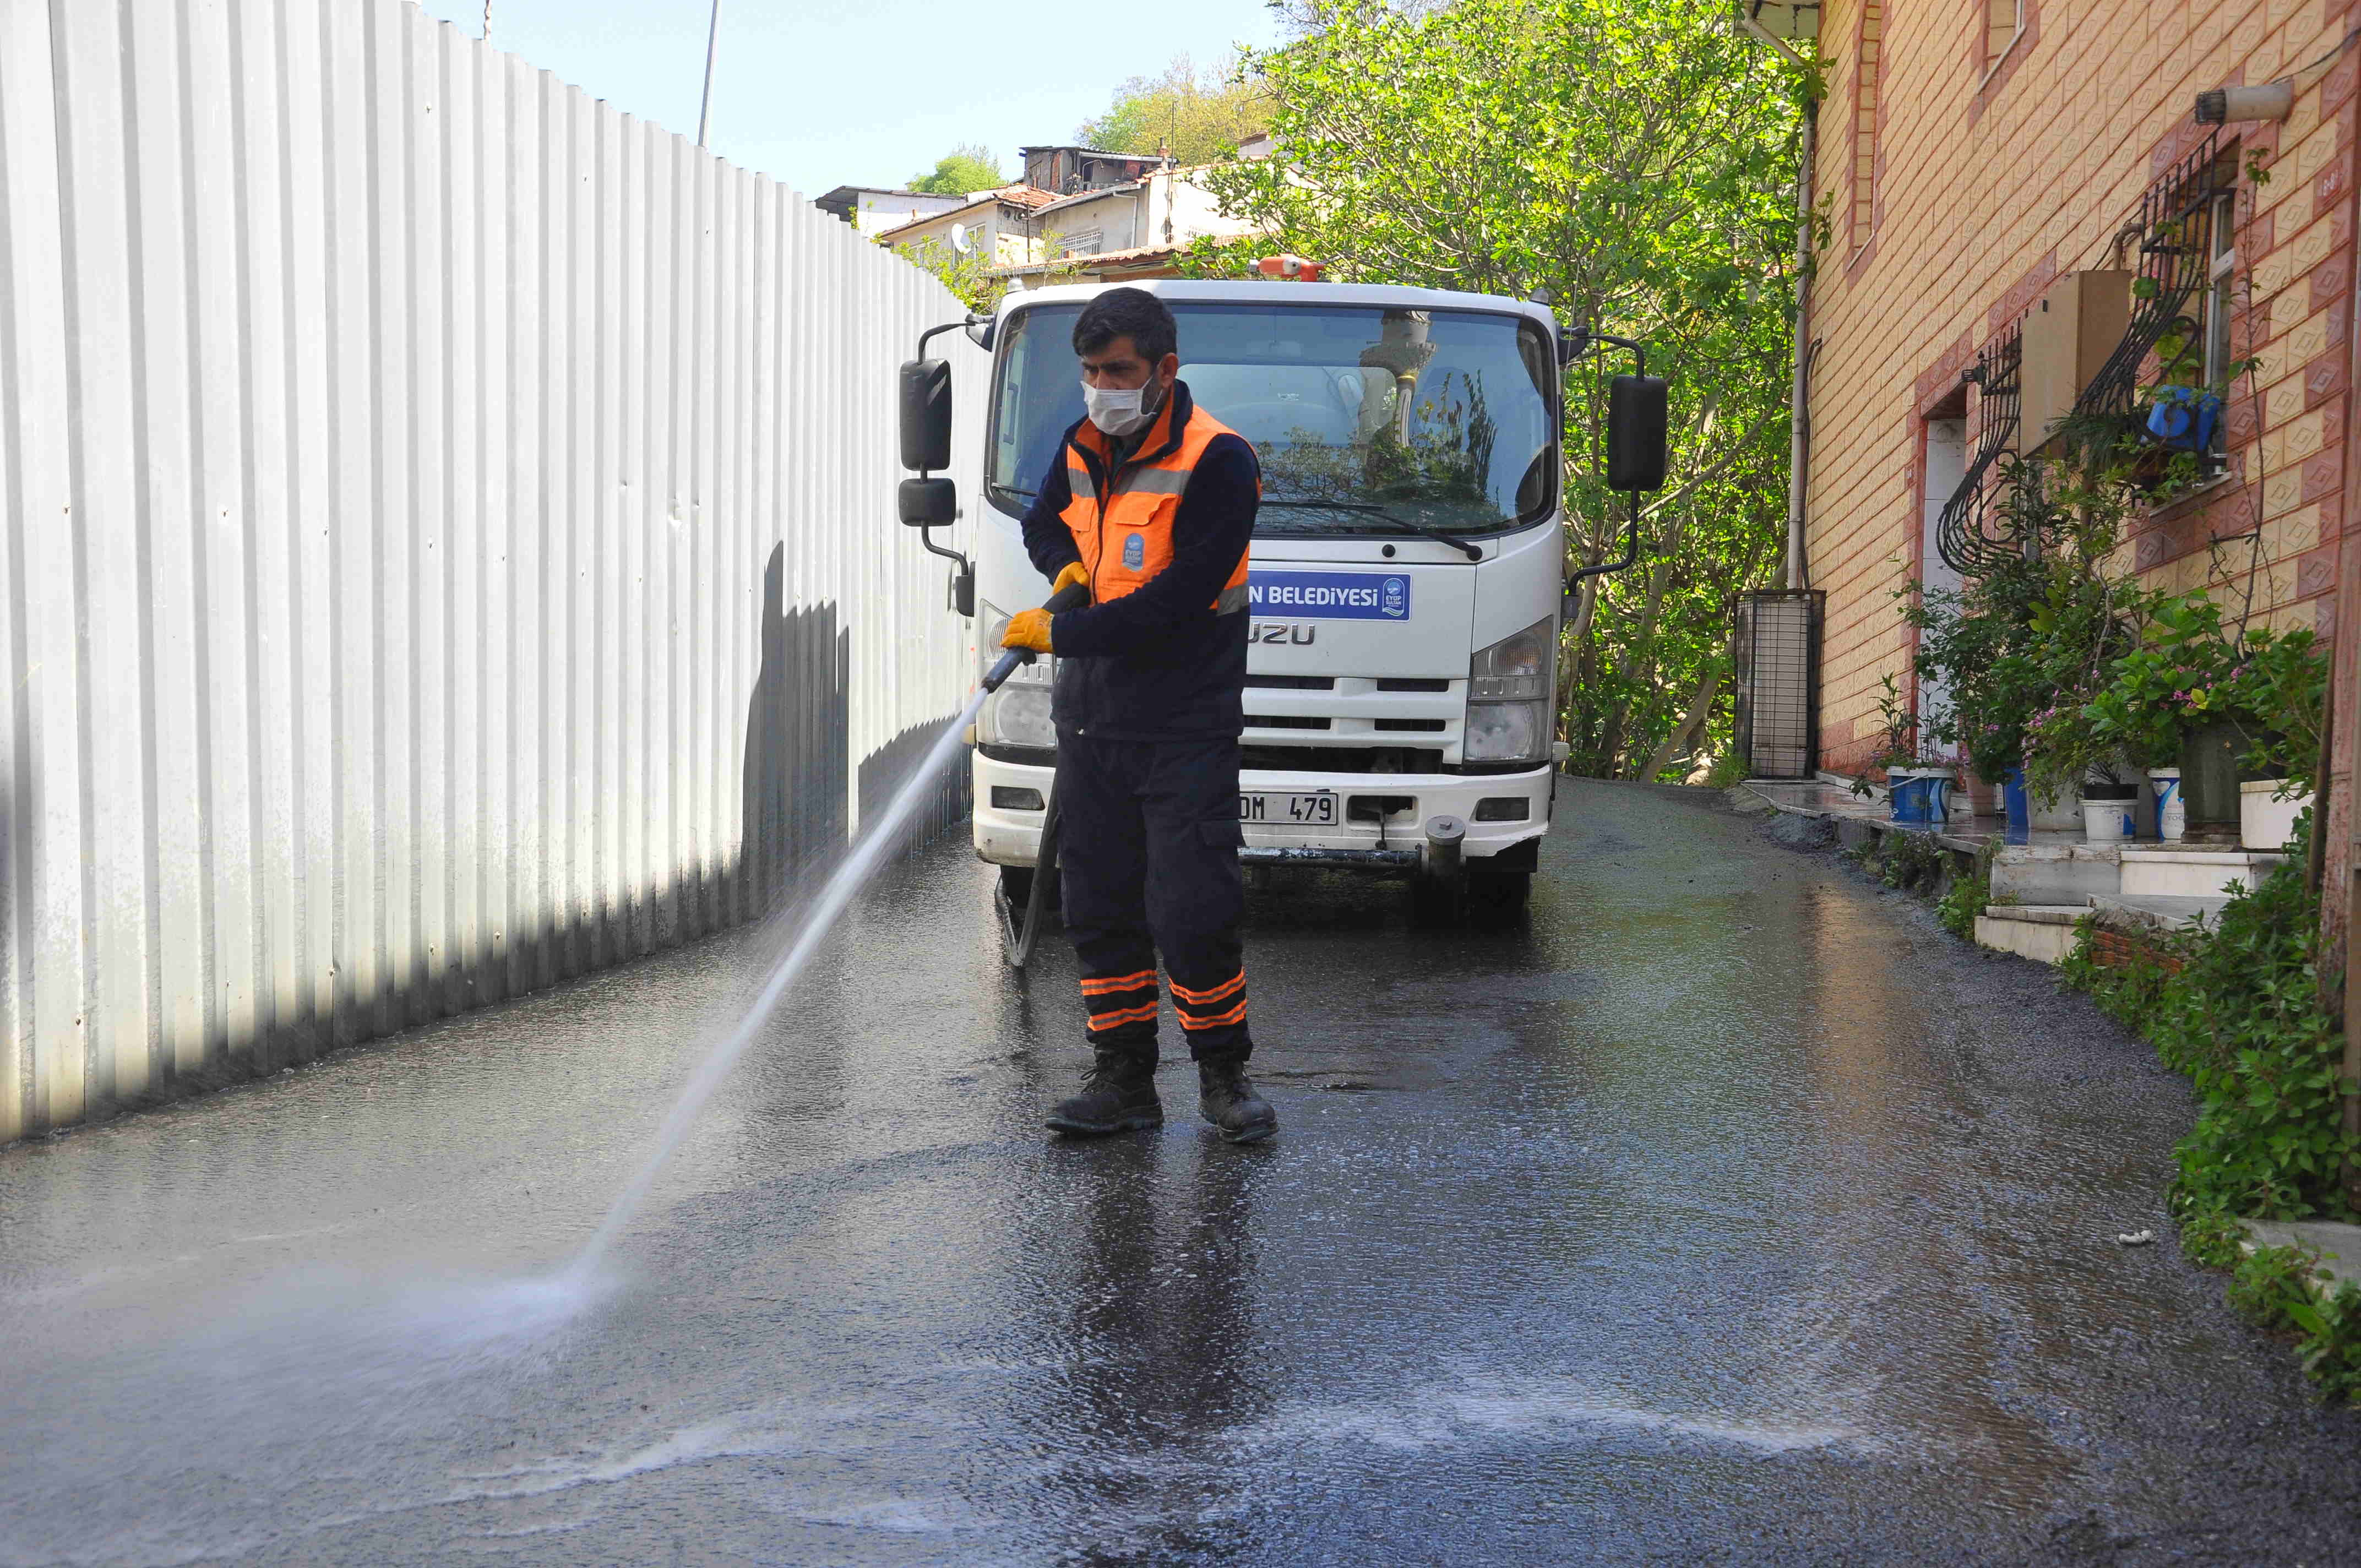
[826, 92]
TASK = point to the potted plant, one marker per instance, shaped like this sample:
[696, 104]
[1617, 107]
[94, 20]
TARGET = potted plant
[2276, 690]
[1919, 778]
[2108, 804]
[1974, 642]
[2158, 693]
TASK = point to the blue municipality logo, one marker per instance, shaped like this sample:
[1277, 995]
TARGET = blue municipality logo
[1135, 551]
[1329, 595]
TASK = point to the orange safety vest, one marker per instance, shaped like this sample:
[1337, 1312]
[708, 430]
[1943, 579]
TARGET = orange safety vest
[1126, 536]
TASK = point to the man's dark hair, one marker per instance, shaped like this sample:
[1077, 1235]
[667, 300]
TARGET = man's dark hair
[1134, 314]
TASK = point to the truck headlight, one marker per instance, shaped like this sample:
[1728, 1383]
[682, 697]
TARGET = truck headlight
[1507, 696]
[1018, 713]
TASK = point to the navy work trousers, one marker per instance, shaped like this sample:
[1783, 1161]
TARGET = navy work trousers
[1148, 848]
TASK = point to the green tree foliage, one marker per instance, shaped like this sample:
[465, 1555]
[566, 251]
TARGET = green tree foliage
[968, 276]
[1637, 159]
[964, 169]
[1196, 116]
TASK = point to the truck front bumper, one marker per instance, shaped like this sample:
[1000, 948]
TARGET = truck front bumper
[1385, 815]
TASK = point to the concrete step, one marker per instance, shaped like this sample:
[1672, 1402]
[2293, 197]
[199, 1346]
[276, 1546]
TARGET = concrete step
[2156, 911]
[2043, 932]
[2065, 872]
[2172, 871]
[2339, 1245]
[2057, 873]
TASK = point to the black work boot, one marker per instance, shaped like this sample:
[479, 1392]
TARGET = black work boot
[1118, 1092]
[1228, 1100]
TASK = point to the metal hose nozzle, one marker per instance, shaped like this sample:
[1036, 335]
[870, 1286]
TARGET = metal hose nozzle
[1072, 597]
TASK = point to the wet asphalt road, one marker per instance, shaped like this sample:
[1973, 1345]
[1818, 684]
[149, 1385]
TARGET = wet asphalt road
[1725, 1212]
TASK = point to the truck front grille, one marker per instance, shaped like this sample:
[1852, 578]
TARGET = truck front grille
[1358, 723]
[1340, 759]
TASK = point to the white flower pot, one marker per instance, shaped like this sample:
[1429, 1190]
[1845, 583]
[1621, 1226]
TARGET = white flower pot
[2171, 811]
[2107, 821]
[2264, 820]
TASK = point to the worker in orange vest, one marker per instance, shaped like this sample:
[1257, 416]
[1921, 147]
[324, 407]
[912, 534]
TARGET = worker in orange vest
[1151, 502]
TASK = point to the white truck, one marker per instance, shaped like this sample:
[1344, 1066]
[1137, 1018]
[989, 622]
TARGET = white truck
[1407, 575]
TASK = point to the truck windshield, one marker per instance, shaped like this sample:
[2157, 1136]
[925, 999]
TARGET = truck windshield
[1364, 418]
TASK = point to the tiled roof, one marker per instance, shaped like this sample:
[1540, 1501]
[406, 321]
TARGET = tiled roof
[1024, 196]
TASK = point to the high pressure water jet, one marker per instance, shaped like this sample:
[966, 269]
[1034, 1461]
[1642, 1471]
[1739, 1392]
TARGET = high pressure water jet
[876, 844]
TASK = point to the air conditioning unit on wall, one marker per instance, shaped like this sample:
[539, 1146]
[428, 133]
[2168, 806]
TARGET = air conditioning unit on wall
[2067, 335]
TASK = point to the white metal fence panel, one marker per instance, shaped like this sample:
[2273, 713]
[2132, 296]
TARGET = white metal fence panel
[449, 537]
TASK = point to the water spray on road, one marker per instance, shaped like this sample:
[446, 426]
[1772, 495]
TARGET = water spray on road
[876, 845]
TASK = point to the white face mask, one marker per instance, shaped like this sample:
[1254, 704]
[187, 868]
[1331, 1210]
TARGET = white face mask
[1118, 412]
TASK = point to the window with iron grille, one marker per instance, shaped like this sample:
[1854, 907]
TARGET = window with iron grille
[1974, 532]
[2176, 347]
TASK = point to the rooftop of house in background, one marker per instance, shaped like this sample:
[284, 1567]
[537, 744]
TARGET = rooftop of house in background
[873, 209]
[1099, 267]
[1067, 169]
[1023, 199]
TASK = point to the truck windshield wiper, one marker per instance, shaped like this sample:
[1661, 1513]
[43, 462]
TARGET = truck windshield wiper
[1474, 553]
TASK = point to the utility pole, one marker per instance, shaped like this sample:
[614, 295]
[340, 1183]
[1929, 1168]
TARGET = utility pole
[705, 106]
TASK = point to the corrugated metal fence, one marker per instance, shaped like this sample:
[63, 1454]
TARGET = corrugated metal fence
[449, 536]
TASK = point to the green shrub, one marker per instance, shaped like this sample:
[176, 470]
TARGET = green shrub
[1968, 896]
[2331, 1327]
[2243, 1018]
[2275, 1287]
[1728, 769]
[2210, 1237]
[2268, 1280]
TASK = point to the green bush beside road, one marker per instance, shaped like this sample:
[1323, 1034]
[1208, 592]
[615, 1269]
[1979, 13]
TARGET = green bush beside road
[2241, 1015]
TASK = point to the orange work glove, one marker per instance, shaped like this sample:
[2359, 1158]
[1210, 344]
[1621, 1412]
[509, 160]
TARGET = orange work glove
[1073, 573]
[1027, 629]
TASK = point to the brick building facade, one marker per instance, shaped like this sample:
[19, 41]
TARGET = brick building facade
[1974, 152]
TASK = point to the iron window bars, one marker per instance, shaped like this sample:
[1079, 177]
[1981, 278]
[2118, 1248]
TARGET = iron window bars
[1973, 534]
[2175, 230]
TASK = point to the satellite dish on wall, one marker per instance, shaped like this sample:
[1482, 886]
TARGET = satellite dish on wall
[963, 240]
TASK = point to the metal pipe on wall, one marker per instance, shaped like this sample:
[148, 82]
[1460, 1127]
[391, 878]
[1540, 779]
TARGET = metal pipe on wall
[1799, 406]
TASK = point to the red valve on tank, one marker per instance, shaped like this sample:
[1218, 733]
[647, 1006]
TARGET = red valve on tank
[1289, 267]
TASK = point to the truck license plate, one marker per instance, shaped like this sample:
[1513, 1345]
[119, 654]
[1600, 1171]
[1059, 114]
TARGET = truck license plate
[1293, 810]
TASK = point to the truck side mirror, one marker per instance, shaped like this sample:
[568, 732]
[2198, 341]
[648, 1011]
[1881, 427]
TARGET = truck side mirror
[925, 415]
[1637, 421]
[929, 503]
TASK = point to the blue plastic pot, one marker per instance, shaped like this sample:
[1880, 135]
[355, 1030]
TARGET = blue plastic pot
[2184, 418]
[1917, 800]
[2015, 801]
